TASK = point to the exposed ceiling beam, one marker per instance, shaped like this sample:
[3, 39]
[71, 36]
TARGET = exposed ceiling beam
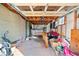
[74, 9]
[56, 12]
[60, 8]
[41, 13]
[47, 13]
[27, 4]
[46, 8]
[49, 4]
[31, 8]
[63, 4]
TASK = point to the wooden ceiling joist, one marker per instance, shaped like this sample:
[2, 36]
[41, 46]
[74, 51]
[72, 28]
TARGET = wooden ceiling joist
[46, 8]
[49, 11]
[37, 19]
[41, 13]
[50, 4]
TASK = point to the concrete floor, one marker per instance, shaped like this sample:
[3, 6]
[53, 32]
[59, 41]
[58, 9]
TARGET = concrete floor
[33, 47]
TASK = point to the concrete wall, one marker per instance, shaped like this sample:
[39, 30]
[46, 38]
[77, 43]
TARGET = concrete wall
[11, 22]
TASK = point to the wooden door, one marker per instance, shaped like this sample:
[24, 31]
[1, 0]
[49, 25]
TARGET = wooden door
[75, 40]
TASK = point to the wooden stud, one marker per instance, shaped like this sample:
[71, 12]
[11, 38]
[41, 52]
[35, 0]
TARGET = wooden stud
[65, 22]
[75, 19]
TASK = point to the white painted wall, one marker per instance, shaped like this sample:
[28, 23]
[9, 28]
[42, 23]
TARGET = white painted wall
[11, 22]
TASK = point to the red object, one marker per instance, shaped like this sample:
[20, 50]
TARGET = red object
[59, 40]
[53, 33]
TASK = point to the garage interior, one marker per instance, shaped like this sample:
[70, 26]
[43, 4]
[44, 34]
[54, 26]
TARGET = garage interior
[28, 24]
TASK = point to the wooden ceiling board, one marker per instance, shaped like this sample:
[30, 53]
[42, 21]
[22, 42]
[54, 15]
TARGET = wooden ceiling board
[68, 8]
[38, 8]
[37, 19]
[53, 8]
[24, 8]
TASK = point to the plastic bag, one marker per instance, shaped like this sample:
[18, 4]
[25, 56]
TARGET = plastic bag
[68, 52]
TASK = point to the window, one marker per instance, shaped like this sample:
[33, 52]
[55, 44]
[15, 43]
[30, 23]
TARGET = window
[61, 21]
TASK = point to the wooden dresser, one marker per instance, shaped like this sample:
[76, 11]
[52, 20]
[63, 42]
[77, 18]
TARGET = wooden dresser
[74, 44]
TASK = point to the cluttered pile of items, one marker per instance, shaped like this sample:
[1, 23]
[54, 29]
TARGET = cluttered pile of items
[59, 43]
[60, 47]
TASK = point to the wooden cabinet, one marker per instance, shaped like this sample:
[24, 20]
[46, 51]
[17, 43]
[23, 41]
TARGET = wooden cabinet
[74, 44]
